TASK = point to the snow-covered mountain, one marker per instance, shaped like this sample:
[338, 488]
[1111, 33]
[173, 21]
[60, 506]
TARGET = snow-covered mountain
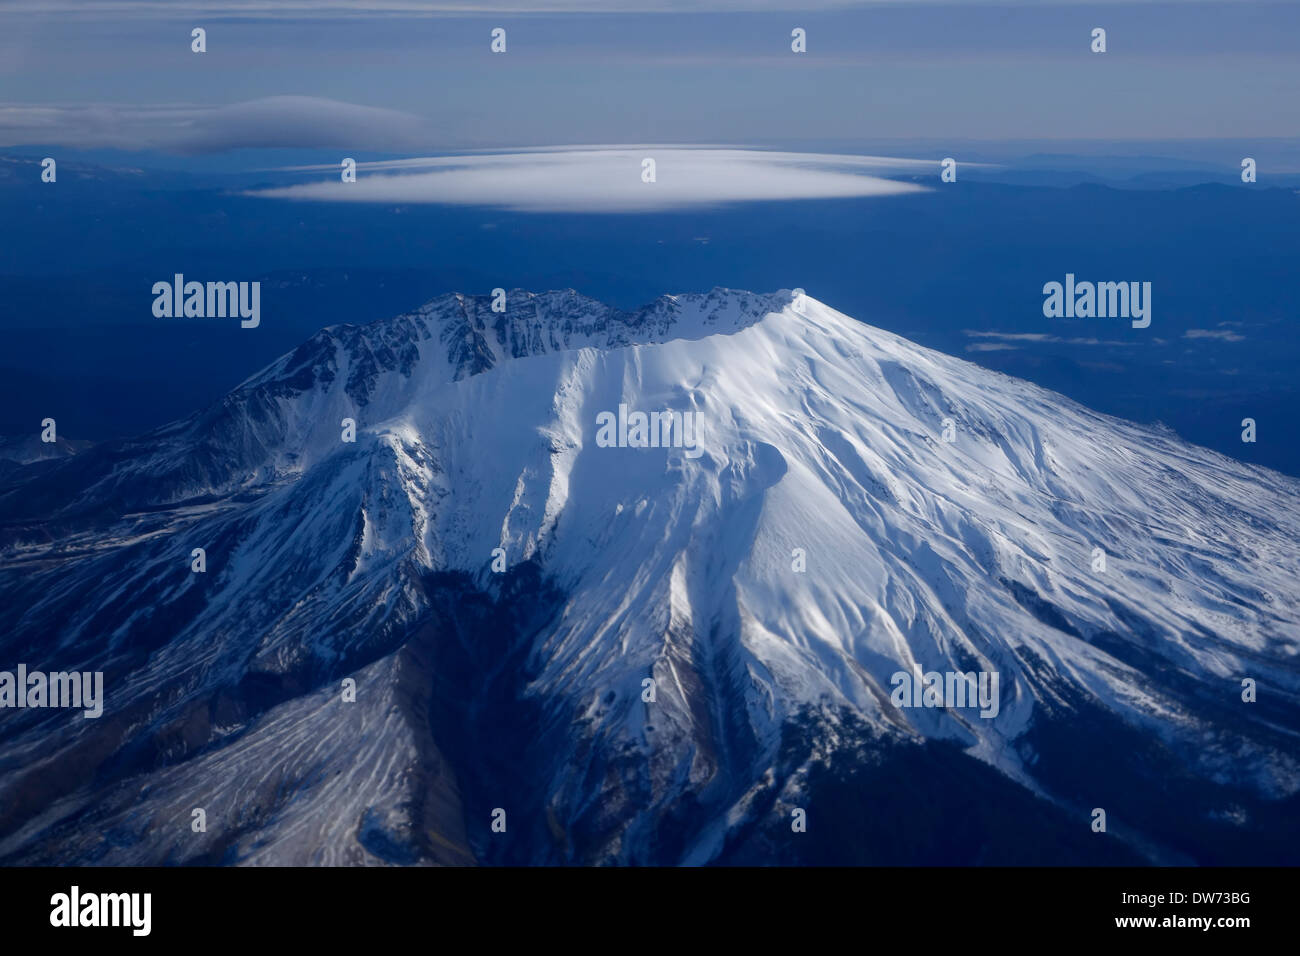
[507, 591]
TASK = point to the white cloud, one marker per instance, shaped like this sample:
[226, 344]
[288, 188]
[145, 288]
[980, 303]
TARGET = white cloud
[1008, 337]
[1222, 335]
[289, 121]
[608, 180]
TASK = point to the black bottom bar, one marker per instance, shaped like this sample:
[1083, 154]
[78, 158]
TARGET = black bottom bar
[338, 906]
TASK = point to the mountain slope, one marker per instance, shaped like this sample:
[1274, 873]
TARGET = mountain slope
[822, 537]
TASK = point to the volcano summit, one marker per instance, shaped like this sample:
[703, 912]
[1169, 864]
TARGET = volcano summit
[685, 650]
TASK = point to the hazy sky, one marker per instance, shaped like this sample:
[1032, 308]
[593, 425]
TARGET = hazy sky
[122, 74]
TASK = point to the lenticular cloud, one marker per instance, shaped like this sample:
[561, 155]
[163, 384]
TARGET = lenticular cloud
[610, 180]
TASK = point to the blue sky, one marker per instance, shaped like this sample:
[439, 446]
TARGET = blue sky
[385, 79]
